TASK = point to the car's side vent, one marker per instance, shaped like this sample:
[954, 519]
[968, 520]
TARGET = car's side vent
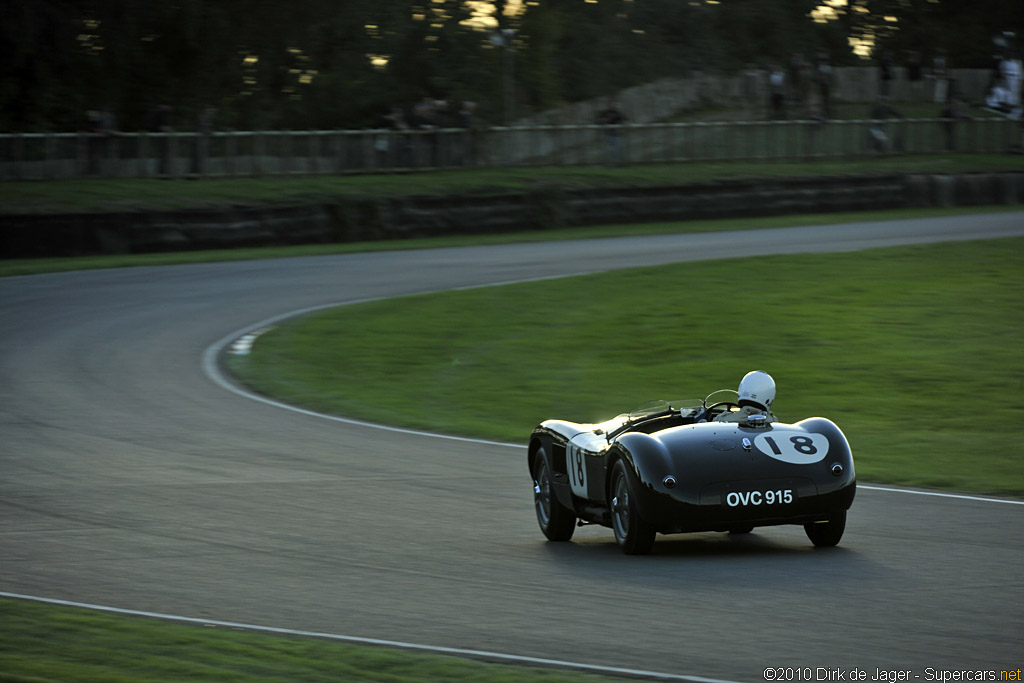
[558, 458]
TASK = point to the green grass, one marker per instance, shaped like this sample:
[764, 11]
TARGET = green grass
[54, 643]
[117, 195]
[913, 351]
[11, 267]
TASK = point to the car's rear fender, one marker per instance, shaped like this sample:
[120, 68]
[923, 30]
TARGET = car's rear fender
[840, 452]
[650, 461]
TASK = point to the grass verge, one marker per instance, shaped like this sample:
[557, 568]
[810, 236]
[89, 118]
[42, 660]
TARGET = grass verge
[56, 643]
[913, 351]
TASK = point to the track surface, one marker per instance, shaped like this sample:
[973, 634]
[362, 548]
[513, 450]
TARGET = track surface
[128, 478]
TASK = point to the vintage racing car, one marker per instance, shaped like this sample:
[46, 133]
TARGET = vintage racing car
[670, 467]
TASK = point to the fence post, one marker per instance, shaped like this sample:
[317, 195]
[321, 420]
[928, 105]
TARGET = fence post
[50, 157]
[283, 152]
[313, 150]
[229, 152]
[258, 148]
[143, 156]
[369, 147]
[19, 156]
[81, 155]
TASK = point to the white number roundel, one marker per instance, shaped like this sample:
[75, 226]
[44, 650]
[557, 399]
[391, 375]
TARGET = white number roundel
[576, 466]
[798, 448]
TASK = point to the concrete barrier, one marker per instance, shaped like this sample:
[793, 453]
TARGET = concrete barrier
[31, 235]
[361, 219]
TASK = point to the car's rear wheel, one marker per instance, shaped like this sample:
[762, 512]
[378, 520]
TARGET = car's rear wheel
[556, 521]
[632, 533]
[825, 534]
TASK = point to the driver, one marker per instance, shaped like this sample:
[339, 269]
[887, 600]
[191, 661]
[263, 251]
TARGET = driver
[756, 395]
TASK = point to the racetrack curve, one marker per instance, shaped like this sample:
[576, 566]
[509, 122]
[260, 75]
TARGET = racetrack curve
[129, 478]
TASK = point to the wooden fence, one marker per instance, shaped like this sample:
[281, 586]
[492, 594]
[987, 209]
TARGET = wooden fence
[281, 153]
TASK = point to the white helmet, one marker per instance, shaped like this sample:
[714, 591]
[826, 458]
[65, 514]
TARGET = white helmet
[757, 388]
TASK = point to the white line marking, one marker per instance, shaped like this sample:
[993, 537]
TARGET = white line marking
[460, 652]
[243, 345]
[212, 370]
[939, 494]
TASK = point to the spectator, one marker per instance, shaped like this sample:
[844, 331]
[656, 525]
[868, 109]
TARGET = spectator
[817, 118]
[794, 79]
[465, 121]
[951, 114]
[204, 127]
[465, 115]
[915, 75]
[612, 117]
[392, 146]
[940, 72]
[1004, 93]
[823, 76]
[879, 137]
[108, 131]
[441, 117]
[441, 151]
[99, 127]
[1013, 72]
[108, 122]
[753, 87]
[422, 117]
[777, 91]
[159, 121]
[425, 118]
[91, 128]
[886, 75]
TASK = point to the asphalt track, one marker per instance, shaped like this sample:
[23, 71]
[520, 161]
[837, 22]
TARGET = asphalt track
[131, 478]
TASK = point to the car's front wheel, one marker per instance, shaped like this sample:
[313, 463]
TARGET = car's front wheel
[825, 534]
[632, 533]
[556, 521]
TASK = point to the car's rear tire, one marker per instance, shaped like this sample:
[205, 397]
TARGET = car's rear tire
[556, 521]
[634, 535]
[741, 530]
[826, 534]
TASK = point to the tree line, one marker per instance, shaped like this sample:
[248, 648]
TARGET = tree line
[328, 64]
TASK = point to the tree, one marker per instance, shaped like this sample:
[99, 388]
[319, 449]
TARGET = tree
[330, 64]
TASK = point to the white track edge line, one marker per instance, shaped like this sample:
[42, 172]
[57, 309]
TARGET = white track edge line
[939, 494]
[499, 656]
[212, 370]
